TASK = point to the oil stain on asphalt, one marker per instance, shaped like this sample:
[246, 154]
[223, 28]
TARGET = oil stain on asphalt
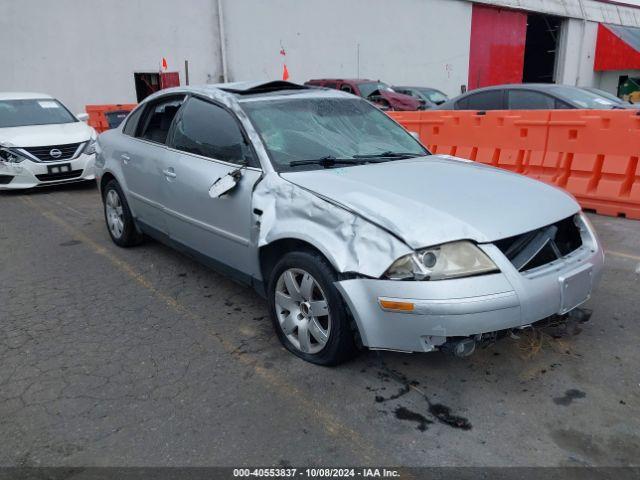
[440, 412]
[443, 414]
[403, 391]
[569, 397]
[70, 243]
[403, 413]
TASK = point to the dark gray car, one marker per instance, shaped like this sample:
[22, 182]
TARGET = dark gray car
[531, 96]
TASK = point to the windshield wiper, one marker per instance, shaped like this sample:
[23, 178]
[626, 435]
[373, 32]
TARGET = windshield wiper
[389, 154]
[326, 161]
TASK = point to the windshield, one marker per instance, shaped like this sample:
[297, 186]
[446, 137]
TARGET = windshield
[368, 88]
[434, 96]
[352, 130]
[604, 94]
[584, 98]
[46, 111]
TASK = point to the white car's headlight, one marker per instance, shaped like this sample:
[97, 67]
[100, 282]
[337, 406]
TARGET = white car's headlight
[90, 148]
[8, 155]
[449, 260]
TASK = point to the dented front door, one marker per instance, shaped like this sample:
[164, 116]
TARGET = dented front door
[219, 226]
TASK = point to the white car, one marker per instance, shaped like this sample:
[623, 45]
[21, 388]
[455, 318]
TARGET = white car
[42, 142]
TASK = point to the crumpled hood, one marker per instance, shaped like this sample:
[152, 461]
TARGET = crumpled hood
[44, 135]
[400, 101]
[432, 200]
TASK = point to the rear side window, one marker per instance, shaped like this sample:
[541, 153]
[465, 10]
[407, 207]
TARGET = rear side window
[491, 100]
[560, 105]
[529, 100]
[157, 119]
[206, 129]
[132, 122]
[346, 88]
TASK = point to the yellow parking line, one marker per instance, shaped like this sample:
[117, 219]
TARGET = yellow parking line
[623, 255]
[328, 421]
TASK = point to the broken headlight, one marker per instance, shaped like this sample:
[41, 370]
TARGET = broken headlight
[449, 260]
[90, 147]
[10, 156]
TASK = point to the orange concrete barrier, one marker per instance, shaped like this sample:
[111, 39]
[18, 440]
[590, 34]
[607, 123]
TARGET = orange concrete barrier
[595, 157]
[104, 117]
[593, 154]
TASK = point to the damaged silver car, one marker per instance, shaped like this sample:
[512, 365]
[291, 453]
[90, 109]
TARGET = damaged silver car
[352, 230]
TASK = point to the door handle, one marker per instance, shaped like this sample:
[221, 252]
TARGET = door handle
[169, 173]
[125, 158]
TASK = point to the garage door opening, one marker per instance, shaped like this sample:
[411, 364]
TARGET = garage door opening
[146, 84]
[540, 48]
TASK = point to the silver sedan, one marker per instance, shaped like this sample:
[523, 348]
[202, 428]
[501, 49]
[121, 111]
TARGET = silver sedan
[351, 229]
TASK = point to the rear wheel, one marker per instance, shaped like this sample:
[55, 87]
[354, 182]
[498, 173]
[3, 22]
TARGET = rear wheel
[307, 311]
[120, 223]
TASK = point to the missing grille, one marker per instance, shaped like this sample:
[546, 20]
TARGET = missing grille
[542, 246]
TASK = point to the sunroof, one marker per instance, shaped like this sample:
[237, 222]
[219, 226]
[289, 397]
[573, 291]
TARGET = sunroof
[265, 88]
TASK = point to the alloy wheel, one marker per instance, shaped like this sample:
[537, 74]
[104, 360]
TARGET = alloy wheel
[302, 310]
[115, 214]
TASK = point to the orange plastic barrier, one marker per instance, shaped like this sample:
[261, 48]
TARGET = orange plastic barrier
[593, 154]
[98, 114]
[595, 157]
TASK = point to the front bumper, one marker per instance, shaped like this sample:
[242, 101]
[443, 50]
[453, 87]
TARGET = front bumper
[470, 306]
[16, 176]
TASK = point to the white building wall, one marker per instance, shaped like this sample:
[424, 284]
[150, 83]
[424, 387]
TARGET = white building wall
[576, 52]
[417, 42]
[86, 51]
[608, 81]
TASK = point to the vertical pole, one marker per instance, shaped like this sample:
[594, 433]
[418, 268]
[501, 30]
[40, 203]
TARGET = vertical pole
[357, 60]
[186, 72]
[581, 48]
[223, 46]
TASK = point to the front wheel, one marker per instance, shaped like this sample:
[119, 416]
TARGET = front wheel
[307, 311]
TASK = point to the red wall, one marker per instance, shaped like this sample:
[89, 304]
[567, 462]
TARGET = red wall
[612, 53]
[497, 46]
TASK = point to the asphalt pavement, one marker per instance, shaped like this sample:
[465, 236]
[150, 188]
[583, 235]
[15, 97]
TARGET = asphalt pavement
[143, 357]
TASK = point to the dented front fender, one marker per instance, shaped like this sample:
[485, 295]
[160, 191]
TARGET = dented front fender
[350, 242]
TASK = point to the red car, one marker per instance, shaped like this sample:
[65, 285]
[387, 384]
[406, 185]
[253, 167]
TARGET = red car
[373, 90]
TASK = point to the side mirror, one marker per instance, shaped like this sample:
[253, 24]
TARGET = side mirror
[415, 135]
[225, 184]
[83, 117]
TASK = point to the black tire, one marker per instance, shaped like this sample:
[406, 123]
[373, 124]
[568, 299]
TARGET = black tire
[130, 235]
[340, 345]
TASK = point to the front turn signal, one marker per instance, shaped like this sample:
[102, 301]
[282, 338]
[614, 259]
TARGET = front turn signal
[396, 306]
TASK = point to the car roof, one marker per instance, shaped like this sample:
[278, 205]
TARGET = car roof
[236, 92]
[416, 87]
[23, 96]
[523, 86]
[352, 80]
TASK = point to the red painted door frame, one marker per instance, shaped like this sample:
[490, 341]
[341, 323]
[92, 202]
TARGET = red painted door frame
[169, 79]
[496, 53]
